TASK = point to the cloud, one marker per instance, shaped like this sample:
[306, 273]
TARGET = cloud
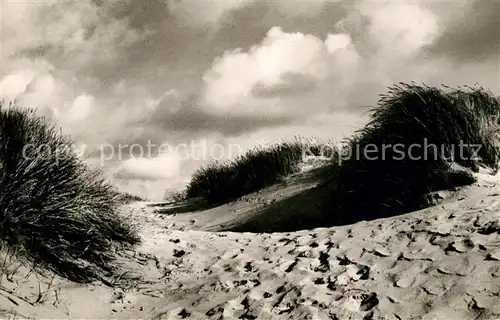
[167, 165]
[38, 90]
[74, 36]
[190, 117]
[204, 13]
[472, 35]
[242, 82]
[289, 84]
[82, 108]
[15, 83]
[151, 176]
[302, 8]
[145, 168]
[214, 14]
[398, 28]
[125, 71]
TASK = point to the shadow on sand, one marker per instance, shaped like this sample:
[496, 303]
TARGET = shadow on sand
[186, 206]
[199, 204]
[302, 211]
[316, 208]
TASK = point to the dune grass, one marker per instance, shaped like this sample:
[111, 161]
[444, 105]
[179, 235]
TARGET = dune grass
[381, 176]
[420, 139]
[260, 167]
[57, 212]
[376, 175]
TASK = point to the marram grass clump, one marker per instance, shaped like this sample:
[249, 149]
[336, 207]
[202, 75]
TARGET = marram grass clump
[415, 136]
[60, 213]
[260, 167]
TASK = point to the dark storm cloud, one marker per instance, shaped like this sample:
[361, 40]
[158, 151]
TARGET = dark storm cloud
[187, 123]
[127, 39]
[474, 36]
[244, 28]
[167, 51]
[124, 57]
[195, 120]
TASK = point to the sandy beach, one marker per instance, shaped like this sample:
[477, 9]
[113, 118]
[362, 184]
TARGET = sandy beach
[439, 263]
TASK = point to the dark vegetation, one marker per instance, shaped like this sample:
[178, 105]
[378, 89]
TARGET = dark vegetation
[55, 211]
[379, 175]
[257, 169]
[387, 182]
[61, 215]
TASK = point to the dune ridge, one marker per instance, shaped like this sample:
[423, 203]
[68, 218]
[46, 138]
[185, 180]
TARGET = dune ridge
[442, 262]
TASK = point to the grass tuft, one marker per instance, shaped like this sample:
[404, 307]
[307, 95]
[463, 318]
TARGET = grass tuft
[54, 208]
[420, 139]
[390, 180]
[260, 167]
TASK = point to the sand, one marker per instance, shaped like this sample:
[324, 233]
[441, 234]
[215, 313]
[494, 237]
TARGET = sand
[439, 263]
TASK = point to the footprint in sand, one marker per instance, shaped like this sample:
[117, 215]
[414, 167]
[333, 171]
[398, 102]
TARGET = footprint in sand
[359, 272]
[381, 251]
[405, 281]
[343, 260]
[184, 314]
[495, 255]
[324, 264]
[461, 246]
[436, 288]
[314, 244]
[179, 253]
[361, 302]
[306, 254]
[454, 267]
[246, 284]
[249, 267]
[292, 266]
[488, 227]
[319, 281]
[369, 302]
[353, 273]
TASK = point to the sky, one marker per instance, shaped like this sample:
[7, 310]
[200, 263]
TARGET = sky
[180, 75]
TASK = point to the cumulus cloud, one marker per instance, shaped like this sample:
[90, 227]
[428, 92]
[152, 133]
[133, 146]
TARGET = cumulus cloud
[48, 62]
[399, 28]
[36, 90]
[82, 108]
[168, 165]
[16, 83]
[125, 71]
[242, 82]
[72, 34]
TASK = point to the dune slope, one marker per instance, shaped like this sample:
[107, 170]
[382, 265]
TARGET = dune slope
[439, 263]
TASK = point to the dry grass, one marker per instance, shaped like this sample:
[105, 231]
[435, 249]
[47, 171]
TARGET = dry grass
[369, 185]
[257, 169]
[60, 214]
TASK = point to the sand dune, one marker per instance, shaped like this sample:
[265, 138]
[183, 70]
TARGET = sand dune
[439, 263]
